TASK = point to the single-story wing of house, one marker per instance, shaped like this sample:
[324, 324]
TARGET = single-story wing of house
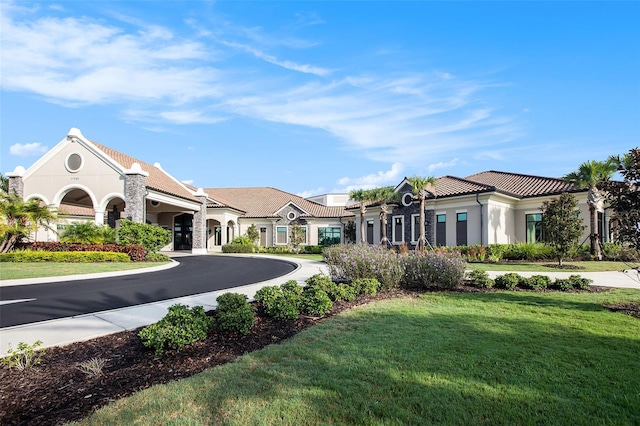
[88, 181]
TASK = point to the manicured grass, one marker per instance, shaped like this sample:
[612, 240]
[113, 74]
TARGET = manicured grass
[443, 358]
[316, 257]
[11, 270]
[538, 266]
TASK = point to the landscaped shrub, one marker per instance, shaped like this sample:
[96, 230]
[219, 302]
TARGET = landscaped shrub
[507, 281]
[234, 314]
[433, 270]
[562, 284]
[580, 283]
[243, 240]
[496, 252]
[136, 253]
[282, 302]
[527, 251]
[536, 282]
[180, 327]
[88, 233]
[366, 286]
[24, 356]
[315, 300]
[238, 248]
[152, 238]
[346, 292]
[348, 262]
[63, 256]
[275, 250]
[312, 249]
[479, 279]
[157, 257]
[615, 251]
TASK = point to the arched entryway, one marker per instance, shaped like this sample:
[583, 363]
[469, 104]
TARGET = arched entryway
[183, 232]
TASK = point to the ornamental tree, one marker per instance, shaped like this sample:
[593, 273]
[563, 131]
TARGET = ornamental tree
[561, 225]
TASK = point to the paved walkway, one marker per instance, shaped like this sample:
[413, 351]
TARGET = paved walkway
[83, 327]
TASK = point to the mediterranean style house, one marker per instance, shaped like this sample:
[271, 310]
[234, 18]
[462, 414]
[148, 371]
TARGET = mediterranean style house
[490, 207]
[89, 181]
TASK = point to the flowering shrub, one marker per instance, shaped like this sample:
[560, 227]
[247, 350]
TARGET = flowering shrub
[440, 269]
[348, 262]
[433, 270]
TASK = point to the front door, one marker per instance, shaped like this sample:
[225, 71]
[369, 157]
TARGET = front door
[183, 232]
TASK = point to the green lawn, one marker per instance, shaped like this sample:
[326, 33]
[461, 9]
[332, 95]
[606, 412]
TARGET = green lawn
[12, 270]
[445, 358]
[590, 266]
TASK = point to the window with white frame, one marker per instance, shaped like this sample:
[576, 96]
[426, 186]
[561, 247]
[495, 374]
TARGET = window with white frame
[281, 235]
[398, 229]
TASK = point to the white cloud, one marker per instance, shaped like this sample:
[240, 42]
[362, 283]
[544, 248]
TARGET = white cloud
[27, 149]
[311, 192]
[374, 180]
[442, 165]
[187, 181]
[161, 78]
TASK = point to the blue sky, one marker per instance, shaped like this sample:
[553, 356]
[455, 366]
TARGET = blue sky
[317, 97]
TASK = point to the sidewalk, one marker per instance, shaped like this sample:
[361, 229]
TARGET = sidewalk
[84, 327]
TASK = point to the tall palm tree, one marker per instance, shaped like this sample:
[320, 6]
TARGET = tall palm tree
[589, 175]
[18, 218]
[362, 196]
[384, 195]
[420, 186]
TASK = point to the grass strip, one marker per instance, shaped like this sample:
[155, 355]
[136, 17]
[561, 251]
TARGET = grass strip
[12, 271]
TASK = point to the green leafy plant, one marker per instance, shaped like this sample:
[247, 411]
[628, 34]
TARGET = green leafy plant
[152, 238]
[63, 256]
[234, 314]
[282, 303]
[25, 356]
[88, 233]
[366, 285]
[156, 257]
[580, 283]
[536, 282]
[479, 279]
[315, 301]
[93, 367]
[562, 284]
[180, 327]
[507, 281]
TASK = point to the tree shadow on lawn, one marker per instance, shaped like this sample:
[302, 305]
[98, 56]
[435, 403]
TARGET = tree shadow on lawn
[377, 366]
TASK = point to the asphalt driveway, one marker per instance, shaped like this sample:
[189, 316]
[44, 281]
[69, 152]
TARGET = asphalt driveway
[194, 275]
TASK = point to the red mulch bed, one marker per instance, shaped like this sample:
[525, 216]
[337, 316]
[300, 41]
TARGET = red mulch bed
[56, 391]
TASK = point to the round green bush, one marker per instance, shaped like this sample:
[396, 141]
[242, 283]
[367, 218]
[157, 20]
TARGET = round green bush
[507, 281]
[234, 314]
[479, 279]
[366, 286]
[536, 282]
[315, 301]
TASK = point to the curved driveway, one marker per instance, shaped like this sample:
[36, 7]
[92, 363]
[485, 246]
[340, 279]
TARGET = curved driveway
[194, 275]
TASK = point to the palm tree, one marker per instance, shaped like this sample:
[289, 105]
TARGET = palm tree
[419, 187]
[361, 196]
[18, 218]
[384, 195]
[589, 175]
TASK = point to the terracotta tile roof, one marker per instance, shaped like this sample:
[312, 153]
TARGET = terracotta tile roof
[448, 186]
[71, 210]
[158, 179]
[263, 202]
[522, 186]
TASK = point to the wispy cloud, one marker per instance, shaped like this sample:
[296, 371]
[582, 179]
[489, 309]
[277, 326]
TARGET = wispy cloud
[28, 149]
[374, 180]
[160, 77]
[442, 165]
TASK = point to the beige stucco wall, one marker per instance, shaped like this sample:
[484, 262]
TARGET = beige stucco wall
[50, 180]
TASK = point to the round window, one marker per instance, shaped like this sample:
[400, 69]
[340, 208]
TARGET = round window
[407, 199]
[74, 162]
[291, 215]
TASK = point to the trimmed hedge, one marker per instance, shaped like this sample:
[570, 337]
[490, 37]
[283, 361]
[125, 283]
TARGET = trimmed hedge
[234, 314]
[136, 253]
[238, 248]
[63, 256]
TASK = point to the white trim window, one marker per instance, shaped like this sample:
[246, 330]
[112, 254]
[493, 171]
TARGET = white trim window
[397, 230]
[282, 235]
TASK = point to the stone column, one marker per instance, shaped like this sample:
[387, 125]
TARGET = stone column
[135, 192]
[16, 181]
[199, 245]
